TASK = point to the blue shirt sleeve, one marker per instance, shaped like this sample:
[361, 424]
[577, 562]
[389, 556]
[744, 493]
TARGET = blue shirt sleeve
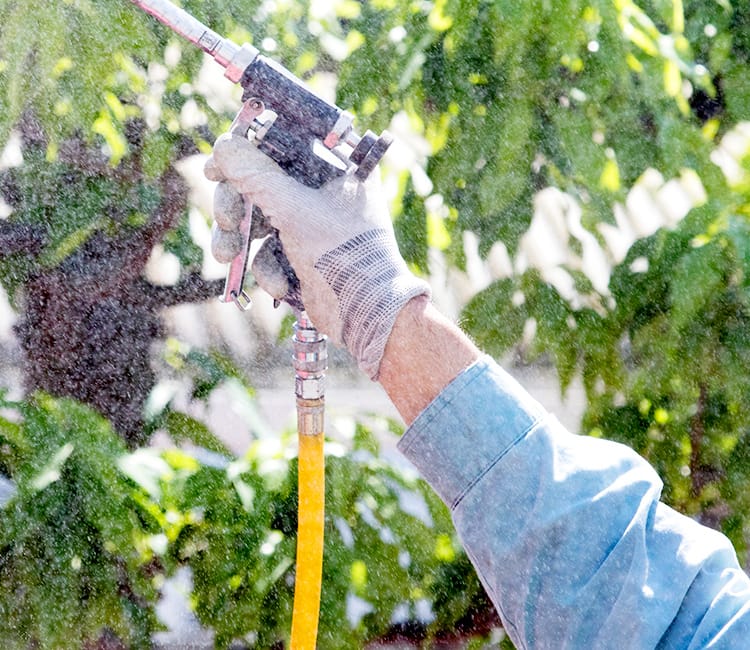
[567, 532]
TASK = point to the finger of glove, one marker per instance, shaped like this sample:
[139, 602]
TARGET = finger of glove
[229, 207]
[212, 171]
[225, 244]
[259, 178]
[269, 273]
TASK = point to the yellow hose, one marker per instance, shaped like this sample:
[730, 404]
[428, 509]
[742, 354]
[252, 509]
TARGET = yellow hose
[311, 479]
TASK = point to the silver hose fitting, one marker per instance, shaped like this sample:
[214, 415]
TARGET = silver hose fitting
[310, 364]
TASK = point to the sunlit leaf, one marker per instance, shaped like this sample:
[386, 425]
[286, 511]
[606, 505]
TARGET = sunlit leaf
[610, 178]
[51, 472]
[672, 78]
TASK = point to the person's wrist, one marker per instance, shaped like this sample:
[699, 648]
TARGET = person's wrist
[424, 353]
[366, 338]
[371, 283]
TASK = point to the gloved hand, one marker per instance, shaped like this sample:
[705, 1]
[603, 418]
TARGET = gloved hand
[339, 239]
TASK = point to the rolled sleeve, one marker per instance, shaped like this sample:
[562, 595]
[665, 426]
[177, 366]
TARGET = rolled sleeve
[477, 418]
[567, 532]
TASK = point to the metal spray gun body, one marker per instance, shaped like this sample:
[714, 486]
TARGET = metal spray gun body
[310, 139]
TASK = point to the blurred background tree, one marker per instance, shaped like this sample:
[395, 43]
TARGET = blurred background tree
[572, 174]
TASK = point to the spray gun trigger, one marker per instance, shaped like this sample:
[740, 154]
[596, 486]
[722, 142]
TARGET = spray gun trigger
[245, 118]
[233, 286]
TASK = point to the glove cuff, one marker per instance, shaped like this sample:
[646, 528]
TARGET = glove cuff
[372, 284]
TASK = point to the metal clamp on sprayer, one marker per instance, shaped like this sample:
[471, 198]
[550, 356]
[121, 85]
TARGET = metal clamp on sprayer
[310, 139]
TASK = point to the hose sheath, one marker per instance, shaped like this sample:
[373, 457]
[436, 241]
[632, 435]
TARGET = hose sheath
[311, 478]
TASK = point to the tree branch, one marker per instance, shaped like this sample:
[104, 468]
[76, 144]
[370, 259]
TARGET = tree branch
[697, 431]
[191, 288]
[106, 264]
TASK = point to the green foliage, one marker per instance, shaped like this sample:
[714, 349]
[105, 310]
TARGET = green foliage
[87, 68]
[69, 563]
[59, 75]
[91, 531]
[390, 552]
[69, 202]
[510, 97]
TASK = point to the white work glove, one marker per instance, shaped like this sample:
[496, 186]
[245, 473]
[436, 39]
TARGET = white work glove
[339, 239]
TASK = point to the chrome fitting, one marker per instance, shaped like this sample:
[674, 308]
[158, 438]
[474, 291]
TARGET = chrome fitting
[239, 61]
[310, 360]
[312, 388]
[340, 130]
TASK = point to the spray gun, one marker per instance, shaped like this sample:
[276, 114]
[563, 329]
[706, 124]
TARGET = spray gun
[310, 139]
[313, 142]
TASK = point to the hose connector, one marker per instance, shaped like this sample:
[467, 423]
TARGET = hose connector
[310, 364]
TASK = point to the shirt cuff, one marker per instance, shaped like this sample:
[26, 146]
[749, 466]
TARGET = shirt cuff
[468, 427]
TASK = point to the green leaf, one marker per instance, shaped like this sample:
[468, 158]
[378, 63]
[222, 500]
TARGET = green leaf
[183, 428]
[51, 472]
[696, 281]
[556, 331]
[147, 469]
[493, 319]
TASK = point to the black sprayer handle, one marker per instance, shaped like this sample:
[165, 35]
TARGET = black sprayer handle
[302, 122]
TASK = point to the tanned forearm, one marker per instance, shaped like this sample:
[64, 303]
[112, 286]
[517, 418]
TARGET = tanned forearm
[425, 352]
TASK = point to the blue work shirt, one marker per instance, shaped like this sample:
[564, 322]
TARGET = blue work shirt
[567, 532]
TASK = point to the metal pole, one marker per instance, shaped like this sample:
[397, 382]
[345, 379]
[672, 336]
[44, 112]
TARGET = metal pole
[228, 54]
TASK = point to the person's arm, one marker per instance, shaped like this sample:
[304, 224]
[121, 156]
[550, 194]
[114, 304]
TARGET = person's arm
[566, 532]
[424, 353]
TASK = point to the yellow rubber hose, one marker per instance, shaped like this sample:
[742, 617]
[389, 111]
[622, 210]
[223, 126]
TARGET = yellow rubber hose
[311, 478]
